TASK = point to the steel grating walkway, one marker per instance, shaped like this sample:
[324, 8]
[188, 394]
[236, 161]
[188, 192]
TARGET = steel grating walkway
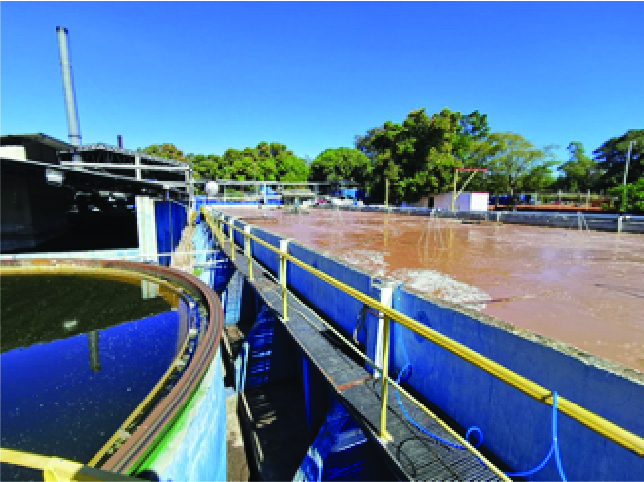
[411, 454]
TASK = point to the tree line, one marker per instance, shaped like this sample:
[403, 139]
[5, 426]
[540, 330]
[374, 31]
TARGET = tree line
[418, 156]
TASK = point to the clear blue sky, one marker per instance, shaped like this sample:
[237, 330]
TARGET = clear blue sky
[208, 76]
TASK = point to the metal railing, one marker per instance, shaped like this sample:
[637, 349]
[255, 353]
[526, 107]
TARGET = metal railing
[55, 469]
[594, 422]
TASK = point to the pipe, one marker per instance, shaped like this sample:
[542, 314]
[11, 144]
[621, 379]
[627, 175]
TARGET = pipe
[68, 89]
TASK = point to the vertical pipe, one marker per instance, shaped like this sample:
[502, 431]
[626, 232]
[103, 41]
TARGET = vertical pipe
[119, 141]
[248, 250]
[454, 192]
[68, 88]
[305, 383]
[282, 259]
[384, 435]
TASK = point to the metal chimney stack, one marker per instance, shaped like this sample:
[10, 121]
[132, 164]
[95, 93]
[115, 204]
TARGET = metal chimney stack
[68, 88]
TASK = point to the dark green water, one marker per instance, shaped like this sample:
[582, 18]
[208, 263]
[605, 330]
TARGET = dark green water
[78, 355]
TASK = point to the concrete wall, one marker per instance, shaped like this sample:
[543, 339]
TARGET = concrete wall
[516, 428]
[196, 449]
[603, 222]
[171, 218]
[466, 201]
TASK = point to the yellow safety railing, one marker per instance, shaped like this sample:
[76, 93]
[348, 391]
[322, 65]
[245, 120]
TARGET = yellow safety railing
[136, 413]
[55, 469]
[598, 424]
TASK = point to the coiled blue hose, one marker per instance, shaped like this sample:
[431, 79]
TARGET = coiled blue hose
[422, 429]
[554, 445]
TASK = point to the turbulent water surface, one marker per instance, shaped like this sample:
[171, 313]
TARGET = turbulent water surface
[583, 288]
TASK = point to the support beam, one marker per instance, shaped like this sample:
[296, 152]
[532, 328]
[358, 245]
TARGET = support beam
[146, 226]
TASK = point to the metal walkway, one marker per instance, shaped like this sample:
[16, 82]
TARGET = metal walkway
[411, 454]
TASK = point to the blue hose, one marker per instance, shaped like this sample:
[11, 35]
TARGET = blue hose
[422, 429]
[554, 448]
[554, 445]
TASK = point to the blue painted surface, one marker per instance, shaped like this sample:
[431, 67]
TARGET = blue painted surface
[264, 255]
[272, 355]
[338, 306]
[515, 427]
[341, 451]
[171, 218]
[202, 200]
[200, 451]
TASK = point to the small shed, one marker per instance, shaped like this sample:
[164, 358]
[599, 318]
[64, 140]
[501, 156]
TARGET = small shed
[466, 201]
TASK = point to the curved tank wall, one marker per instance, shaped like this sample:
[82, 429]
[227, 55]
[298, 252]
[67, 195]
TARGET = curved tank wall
[183, 418]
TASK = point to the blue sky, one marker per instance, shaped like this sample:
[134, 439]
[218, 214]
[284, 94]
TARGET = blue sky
[210, 75]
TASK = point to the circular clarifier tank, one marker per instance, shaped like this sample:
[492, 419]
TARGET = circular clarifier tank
[98, 358]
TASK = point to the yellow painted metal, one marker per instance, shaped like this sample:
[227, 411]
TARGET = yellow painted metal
[283, 284]
[141, 406]
[231, 231]
[384, 435]
[59, 470]
[54, 469]
[23, 459]
[249, 254]
[598, 424]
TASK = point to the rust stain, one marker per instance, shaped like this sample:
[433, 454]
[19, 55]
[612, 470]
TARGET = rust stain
[359, 381]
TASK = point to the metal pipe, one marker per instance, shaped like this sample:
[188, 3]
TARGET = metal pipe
[628, 161]
[384, 435]
[68, 88]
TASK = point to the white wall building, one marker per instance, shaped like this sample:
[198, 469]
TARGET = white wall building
[467, 201]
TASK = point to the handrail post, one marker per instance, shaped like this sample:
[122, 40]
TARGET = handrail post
[384, 436]
[248, 251]
[386, 295]
[283, 251]
[231, 235]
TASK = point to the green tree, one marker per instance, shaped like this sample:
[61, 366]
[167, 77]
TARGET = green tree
[630, 197]
[291, 168]
[611, 158]
[335, 164]
[514, 163]
[581, 171]
[167, 150]
[418, 156]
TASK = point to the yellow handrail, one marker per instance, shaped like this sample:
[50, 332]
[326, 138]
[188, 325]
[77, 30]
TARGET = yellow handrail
[598, 424]
[55, 469]
[174, 365]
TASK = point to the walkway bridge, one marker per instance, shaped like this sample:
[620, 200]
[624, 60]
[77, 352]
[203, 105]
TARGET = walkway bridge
[413, 386]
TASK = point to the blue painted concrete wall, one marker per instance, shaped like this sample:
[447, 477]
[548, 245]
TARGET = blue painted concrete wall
[263, 254]
[171, 218]
[198, 450]
[515, 427]
[338, 306]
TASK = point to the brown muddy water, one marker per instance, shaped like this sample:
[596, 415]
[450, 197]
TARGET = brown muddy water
[583, 288]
